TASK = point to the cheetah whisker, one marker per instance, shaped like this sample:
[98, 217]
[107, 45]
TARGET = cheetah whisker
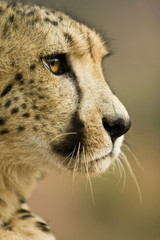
[123, 157]
[88, 179]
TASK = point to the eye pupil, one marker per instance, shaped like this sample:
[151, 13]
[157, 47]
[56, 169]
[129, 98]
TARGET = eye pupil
[55, 65]
[52, 62]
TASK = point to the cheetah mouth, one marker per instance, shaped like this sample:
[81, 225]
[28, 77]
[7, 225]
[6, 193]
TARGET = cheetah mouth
[95, 166]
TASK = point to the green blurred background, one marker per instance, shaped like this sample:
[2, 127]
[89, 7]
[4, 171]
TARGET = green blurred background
[133, 72]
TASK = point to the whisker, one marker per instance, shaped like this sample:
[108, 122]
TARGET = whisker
[123, 157]
[75, 164]
[127, 147]
[64, 134]
[89, 180]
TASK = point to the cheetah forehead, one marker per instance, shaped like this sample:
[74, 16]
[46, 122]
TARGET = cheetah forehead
[52, 31]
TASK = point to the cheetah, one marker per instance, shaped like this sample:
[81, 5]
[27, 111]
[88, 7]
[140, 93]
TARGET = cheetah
[56, 109]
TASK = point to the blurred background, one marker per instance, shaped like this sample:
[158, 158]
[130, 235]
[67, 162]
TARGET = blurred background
[133, 72]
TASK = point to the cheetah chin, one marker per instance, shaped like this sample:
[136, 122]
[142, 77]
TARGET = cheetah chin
[56, 109]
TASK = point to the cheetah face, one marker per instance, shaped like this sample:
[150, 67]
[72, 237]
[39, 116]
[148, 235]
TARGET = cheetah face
[57, 106]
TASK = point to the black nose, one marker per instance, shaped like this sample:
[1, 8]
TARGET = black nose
[117, 127]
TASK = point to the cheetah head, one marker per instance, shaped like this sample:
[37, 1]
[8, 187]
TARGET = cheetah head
[56, 107]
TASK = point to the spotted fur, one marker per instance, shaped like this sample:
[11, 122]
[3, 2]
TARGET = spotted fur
[71, 121]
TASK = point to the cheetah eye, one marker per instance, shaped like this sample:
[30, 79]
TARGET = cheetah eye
[56, 64]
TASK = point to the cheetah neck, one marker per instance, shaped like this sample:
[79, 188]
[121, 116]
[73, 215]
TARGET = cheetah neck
[17, 180]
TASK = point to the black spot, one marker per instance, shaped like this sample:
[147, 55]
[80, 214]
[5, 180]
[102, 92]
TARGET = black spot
[7, 104]
[21, 199]
[26, 115]
[21, 89]
[68, 38]
[18, 76]
[31, 81]
[26, 216]
[54, 23]
[60, 18]
[9, 228]
[5, 29]
[32, 67]
[6, 90]
[24, 106]
[21, 82]
[47, 13]
[47, 20]
[2, 203]
[35, 20]
[34, 107]
[31, 93]
[37, 117]
[7, 225]
[35, 129]
[2, 121]
[21, 210]
[31, 13]
[41, 97]
[21, 128]
[14, 110]
[4, 131]
[1, 10]
[16, 99]
[43, 227]
[11, 4]
[11, 18]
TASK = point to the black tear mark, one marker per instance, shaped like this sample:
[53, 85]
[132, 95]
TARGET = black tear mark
[6, 90]
[2, 121]
[43, 227]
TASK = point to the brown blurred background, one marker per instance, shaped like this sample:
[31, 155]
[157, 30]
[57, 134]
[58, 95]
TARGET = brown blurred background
[133, 72]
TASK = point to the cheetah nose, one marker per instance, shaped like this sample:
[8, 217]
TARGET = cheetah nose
[117, 127]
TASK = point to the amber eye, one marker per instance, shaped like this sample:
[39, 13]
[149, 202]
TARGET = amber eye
[55, 65]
